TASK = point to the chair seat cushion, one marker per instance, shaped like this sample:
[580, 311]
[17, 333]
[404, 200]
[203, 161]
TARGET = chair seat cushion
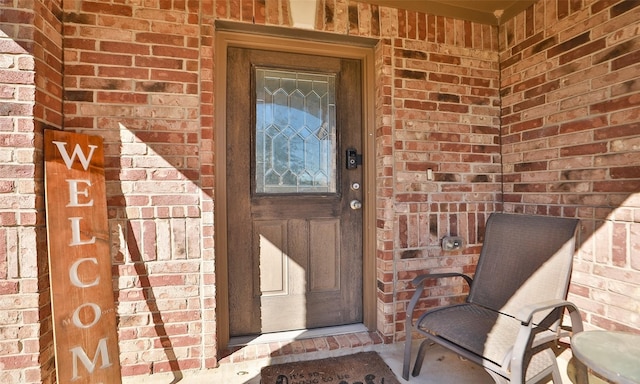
[484, 332]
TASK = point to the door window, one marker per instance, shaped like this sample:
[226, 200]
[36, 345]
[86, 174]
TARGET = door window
[295, 137]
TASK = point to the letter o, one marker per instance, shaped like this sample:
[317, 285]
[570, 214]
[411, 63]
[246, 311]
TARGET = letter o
[76, 315]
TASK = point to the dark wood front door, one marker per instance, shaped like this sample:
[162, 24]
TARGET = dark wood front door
[294, 222]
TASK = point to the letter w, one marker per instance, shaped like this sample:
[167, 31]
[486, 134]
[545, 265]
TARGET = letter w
[90, 365]
[68, 160]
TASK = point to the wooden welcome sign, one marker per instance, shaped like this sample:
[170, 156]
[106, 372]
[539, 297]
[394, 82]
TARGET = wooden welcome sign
[84, 317]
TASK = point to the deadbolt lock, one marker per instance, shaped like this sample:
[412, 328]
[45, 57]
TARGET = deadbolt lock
[353, 158]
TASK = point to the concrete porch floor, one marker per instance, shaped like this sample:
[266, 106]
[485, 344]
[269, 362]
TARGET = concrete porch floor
[440, 366]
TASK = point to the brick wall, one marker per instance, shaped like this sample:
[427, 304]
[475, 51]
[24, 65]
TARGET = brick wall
[30, 100]
[444, 116]
[141, 77]
[571, 140]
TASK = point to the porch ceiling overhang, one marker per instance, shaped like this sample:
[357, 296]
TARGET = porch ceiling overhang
[493, 12]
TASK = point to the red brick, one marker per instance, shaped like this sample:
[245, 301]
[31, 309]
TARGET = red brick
[121, 98]
[623, 102]
[444, 78]
[562, 9]
[542, 89]
[180, 364]
[16, 16]
[160, 38]
[402, 23]
[544, 44]
[177, 76]
[625, 172]
[79, 70]
[622, 7]
[602, 5]
[529, 167]
[613, 52]
[586, 149]
[569, 44]
[540, 100]
[8, 287]
[353, 17]
[584, 50]
[532, 127]
[166, 280]
[421, 105]
[619, 245]
[168, 51]
[106, 58]
[530, 83]
[447, 59]
[411, 54]
[155, 62]
[538, 188]
[477, 82]
[627, 186]
[18, 361]
[456, 108]
[124, 72]
[610, 132]
[584, 124]
[511, 60]
[583, 174]
[97, 7]
[16, 77]
[137, 369]
[120, 47]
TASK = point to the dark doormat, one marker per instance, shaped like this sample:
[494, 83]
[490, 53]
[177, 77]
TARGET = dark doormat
[361, 368]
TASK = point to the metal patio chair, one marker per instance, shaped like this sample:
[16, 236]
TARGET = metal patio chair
[512, 316]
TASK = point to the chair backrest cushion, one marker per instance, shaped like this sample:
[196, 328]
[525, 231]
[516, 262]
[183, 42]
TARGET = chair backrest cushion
[525, 259]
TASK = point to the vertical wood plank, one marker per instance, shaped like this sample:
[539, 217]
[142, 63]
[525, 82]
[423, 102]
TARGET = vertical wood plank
[84, 313]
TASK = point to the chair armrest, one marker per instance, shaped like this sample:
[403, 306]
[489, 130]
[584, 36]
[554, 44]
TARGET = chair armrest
[526, 313]
[527, 339]
[419, 281]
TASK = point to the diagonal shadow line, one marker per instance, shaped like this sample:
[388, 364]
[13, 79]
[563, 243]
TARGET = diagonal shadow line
[150, 299]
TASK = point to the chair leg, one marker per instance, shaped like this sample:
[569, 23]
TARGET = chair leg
[407, 356]
[555, 371]
[420, 358]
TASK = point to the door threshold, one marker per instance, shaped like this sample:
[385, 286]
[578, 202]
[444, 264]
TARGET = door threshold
[301, 334]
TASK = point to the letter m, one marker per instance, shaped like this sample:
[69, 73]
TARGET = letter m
[78, 354]
[77, 152]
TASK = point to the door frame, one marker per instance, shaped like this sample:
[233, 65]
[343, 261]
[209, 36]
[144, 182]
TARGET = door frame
[305, 42]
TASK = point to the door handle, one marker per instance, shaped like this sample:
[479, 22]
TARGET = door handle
[355, 204]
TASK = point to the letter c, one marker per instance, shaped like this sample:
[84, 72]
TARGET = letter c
[73, 273]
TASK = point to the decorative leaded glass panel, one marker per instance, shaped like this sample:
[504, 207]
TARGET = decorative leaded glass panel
[295, 132]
